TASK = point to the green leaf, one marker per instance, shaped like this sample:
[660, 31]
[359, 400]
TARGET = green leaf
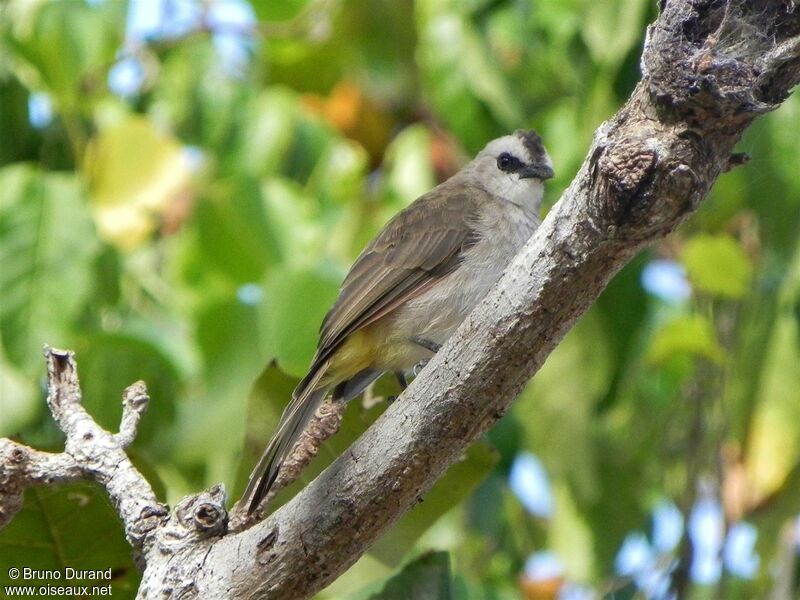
[774, 439]
[110, 363]
[409, 172]
[426, 578]
[610, 29]
[14, 123]
[234, 233]
[69, 46]
[234, 350]
[691, 335]
[717, 265]
[269, 10]
[267, 135]
[570, 535]
[20, 400]
[229, 337]
[296, 302]
[340, 174]
[293, 218]
[68, 526]
[461, 78]
[46, 245]
[579, 370]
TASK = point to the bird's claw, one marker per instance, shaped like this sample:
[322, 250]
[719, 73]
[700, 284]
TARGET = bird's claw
[419, 366]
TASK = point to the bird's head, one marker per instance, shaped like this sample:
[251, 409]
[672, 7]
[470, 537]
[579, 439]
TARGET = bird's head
[514, 167]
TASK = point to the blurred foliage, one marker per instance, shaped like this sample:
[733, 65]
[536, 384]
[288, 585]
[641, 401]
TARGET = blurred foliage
[179, 204]
[58, 529]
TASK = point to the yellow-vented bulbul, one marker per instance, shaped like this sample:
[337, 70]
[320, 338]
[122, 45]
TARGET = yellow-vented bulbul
[413, 284]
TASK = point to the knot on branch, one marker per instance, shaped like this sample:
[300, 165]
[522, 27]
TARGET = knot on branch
[626, 171]
[198, 517]
[629, 175]
[728, 61]
[147, 521]
[12, 461]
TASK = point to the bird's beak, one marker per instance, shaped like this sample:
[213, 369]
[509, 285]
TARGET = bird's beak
[538, 171]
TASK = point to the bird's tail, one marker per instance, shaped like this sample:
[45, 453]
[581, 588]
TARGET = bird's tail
[306, 397]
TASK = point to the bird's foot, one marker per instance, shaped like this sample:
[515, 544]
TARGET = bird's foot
[417, 368]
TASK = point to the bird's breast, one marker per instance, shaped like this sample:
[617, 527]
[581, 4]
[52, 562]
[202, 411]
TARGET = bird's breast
[435, 314]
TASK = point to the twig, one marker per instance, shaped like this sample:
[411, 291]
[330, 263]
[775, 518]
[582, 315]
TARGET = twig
[22, 467]
[90, 452]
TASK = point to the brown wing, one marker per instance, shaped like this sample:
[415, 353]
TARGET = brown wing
[414, 250]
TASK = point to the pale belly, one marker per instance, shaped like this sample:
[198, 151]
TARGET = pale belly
[437, 313]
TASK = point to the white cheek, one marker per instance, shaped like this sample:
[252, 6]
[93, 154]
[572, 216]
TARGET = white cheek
[526, 192]
[506, 186]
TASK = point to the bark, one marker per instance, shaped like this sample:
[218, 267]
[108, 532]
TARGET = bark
[709, 68]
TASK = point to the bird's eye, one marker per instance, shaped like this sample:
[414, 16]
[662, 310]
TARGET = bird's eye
[506, 162]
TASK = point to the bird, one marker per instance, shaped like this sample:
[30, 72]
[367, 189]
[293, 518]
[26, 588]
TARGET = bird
[415, 282]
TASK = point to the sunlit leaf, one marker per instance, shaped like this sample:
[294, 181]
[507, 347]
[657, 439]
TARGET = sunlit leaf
[717, 265]
[46, 243]
[20, 400]
[689, 335]
[774, 437]
[610, 29]
[340, 176]
[268, 134]
[409, 172]
[135, 172]
[571, 536]
[66, 47]
[464, 84]
[73, 527]
[293, 216]
[269, 10]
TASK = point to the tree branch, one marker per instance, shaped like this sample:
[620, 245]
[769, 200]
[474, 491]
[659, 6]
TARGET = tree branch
[22, 467]
[90, 453]
[709, 68]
